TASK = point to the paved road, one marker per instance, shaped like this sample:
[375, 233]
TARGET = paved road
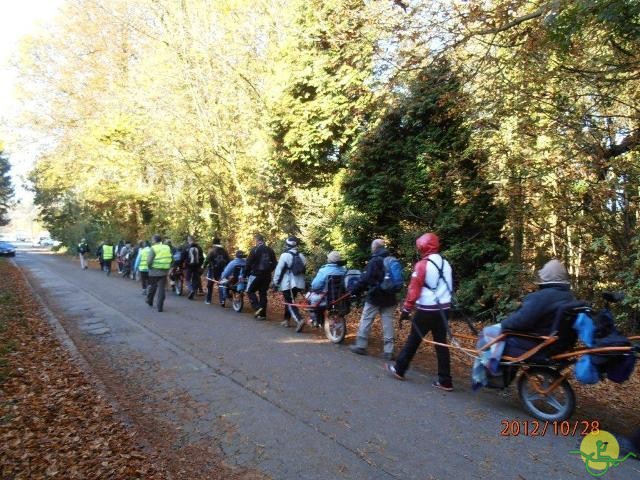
[292, 405]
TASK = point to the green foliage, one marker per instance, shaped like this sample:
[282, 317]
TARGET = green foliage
[416, 172]
[6, 188]
[326, 96]
[511, 128]
[493, 292]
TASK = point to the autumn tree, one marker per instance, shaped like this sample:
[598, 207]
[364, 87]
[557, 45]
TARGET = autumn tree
[6, 187]
[416, 171]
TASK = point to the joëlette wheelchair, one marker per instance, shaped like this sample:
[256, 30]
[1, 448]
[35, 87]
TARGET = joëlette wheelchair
[329, 307]
[544, 362]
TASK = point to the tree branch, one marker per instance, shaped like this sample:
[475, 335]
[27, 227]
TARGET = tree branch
[629, 142]
[403, 5]
[552, 5]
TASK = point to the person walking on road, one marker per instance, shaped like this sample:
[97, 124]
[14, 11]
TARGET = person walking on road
[120, 260]
[289, 279]
[159, 262]
[83, 249]
[107, 253]
[142, 265]
[215, 263]
[126, 259]
[193, 263]
[135, 251]
[99, 256]
[429, 293]
[377, 302]
[260, 264]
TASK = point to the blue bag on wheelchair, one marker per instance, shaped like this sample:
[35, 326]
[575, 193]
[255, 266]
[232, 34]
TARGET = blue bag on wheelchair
[585, 371]
[351, 278]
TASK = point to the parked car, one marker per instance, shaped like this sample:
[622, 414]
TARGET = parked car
[7, 250]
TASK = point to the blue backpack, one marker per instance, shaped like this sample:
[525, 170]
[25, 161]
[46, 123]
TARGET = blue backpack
[393, 280]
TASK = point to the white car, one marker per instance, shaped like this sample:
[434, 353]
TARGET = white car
[48, 242]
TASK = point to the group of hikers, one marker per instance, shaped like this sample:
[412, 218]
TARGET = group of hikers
[428, 295]
[429, 292]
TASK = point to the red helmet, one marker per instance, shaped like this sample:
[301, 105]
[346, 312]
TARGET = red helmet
[427, 244]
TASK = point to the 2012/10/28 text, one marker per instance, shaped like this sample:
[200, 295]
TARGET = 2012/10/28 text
[536, 428]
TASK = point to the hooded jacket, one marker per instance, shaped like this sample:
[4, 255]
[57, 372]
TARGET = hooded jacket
[427, 289]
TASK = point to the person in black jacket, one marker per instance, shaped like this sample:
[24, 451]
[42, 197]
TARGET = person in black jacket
[193, 263]
[83, 249]
[216, 260]
[538, 310]
[260, 265]
[377, 302]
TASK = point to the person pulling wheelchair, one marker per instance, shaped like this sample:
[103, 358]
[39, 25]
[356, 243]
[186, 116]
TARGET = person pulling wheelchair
[289, 279]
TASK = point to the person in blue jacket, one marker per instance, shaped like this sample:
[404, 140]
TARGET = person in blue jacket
[334, 266]
[237, 263]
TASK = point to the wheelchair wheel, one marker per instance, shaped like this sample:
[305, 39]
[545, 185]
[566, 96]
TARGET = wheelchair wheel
[335, 327]
[237, 301]
[558, 404]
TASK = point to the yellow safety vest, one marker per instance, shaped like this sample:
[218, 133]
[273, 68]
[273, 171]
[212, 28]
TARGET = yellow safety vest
[107, 252]
[144, 258]
[162, 259]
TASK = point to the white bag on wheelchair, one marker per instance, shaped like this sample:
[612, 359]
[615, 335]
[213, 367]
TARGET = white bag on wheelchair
[313, 298]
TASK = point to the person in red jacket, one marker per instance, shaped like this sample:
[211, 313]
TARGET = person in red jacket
[429, 293]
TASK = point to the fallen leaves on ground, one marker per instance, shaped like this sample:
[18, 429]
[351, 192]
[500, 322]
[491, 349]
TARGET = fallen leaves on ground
[54, 423]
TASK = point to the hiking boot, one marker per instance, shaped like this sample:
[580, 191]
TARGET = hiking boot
[223, 304]
[207, 302]
[285, 324]
[389, 367]
[261, 317]
[258, 312]
[446, 386]
[387, 356]
[358, 350]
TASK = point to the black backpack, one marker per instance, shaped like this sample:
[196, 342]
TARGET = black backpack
[265, 263]
[297, 265]
[219, 261]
